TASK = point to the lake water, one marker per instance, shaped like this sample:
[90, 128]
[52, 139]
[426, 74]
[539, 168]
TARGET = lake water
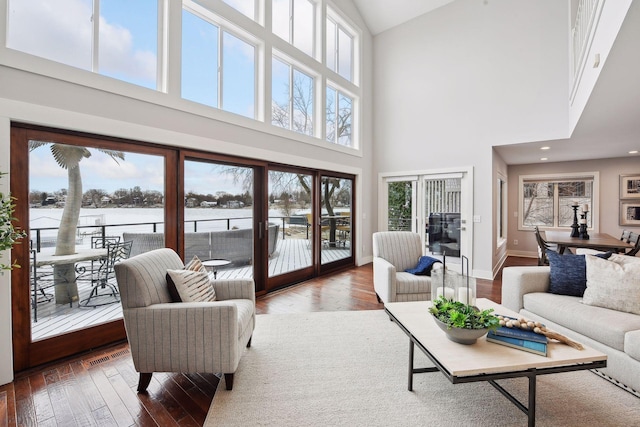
[141, 220]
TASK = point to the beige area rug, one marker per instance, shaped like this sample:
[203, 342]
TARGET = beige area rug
[350, 369]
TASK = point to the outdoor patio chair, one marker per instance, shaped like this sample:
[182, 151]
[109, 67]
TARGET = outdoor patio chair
[104, 277]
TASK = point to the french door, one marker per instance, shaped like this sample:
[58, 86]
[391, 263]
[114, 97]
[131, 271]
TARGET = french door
[437, 206]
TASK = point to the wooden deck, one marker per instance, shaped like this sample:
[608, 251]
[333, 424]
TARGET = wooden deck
[54, 319]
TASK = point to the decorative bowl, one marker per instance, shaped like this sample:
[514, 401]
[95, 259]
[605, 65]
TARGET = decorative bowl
[460, 335]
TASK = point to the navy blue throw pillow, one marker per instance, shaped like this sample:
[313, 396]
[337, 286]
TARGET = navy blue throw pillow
[569, 273]
[425, 264]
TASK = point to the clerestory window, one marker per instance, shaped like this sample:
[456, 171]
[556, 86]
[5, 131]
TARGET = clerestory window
[339, 117]
[115, 38]
[340, 47]
[294, 22]
[292, 97]
[218, 67]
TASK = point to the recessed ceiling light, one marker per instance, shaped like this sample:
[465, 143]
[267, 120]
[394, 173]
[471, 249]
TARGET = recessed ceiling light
[633, 152]
[545, 148]
[543, 158]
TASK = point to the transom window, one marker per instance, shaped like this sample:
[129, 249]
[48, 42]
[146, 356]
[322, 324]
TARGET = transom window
[246, 7]
[292, 91]
[218, 67]
[294, 22]
[339, 119]
[339, 48]
[546, 201]
[121, 43]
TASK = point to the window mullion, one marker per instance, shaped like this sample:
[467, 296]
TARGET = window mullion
[95, 41]
[220, 66]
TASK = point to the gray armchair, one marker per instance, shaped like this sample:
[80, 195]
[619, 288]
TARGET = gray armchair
[190, 337]
[393, 253]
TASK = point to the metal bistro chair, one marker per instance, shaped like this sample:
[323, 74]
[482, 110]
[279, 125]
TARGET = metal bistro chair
[105, 275]
[41, 279]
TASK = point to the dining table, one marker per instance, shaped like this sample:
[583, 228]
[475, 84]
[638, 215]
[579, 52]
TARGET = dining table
[598, 241]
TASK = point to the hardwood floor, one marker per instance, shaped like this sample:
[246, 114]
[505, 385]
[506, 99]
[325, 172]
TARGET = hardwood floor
[99, 388]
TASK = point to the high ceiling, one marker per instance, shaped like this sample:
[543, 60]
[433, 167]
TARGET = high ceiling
[610, 124]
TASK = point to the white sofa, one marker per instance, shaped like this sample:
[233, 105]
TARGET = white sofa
[616, 333]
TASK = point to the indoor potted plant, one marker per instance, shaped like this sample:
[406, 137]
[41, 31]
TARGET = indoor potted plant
[461, 322]
[9, 235]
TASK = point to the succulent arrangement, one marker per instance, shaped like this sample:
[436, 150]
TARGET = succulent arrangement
[456, 314]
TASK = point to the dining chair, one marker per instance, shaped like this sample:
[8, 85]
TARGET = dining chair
[543, 246]
[104, 278]
[635, 239]
[625, 235]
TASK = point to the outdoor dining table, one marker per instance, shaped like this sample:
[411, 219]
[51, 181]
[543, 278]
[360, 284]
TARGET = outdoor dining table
[598, 241]
[64, 288]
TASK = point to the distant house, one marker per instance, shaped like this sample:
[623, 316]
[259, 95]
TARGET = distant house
[206, 204]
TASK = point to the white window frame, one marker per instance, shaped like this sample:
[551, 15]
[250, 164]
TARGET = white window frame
[502, 219]
[561, 177]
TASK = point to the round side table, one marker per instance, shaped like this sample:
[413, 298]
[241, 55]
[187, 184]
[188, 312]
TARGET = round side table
[213, 264]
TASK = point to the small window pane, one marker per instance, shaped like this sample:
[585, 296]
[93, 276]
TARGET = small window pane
[128, 41]
[331, 45]
[61, 34]
[238, 76]
[345, 108]
[345, 52]
[246, 7]
[280, 92]
[332, 104]
[537, 205]
[199, 60]
[302, 103]
[303, 26]
[281, 16]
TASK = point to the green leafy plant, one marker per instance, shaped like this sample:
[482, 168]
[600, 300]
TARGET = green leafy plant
[9, 235]
[456, 314]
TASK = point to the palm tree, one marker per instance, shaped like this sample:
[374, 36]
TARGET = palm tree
[69, 157]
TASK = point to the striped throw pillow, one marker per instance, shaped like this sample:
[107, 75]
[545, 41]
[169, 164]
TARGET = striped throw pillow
[196, 287]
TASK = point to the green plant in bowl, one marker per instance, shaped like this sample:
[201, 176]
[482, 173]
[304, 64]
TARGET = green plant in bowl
[461, 322]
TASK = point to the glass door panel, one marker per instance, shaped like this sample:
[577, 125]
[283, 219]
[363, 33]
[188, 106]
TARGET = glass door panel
[335, 226]
[401, 206]
[442, 209]
[88, 207]
[218, 217]
[291, 233]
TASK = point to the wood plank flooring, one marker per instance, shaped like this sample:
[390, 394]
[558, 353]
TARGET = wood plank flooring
[99, 388]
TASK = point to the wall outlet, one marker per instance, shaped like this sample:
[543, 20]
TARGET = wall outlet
[515, 242]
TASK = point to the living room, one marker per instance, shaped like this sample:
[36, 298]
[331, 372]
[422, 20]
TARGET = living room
[460, 86]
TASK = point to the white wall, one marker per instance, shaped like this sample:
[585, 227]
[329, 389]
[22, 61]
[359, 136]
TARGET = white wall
[35, 98]
[609, 206]
[452, 83]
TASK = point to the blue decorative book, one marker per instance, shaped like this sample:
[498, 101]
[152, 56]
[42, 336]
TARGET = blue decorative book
[521, 344]
[520, 334]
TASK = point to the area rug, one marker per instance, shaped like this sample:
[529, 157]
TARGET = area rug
[350, 369]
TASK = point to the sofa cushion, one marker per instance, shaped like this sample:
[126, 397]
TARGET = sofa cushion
[407, 283]
[425, 264]
[613, 284]
[600, 324]
[632, 344]
[192, 284]
[568, 273]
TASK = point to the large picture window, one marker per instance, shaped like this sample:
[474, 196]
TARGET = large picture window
[545, 201]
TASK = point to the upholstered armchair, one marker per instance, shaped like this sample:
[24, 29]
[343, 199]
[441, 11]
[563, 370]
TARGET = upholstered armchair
[190, 337]
[393, 253]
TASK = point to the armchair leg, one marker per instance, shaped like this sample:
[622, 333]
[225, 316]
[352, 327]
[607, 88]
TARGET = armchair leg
[143, 383]
[249, 343]
[228, 380]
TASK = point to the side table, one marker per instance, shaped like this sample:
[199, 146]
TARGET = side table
[213, 264]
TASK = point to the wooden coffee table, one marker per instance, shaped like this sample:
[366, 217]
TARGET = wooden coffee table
[484, 361]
